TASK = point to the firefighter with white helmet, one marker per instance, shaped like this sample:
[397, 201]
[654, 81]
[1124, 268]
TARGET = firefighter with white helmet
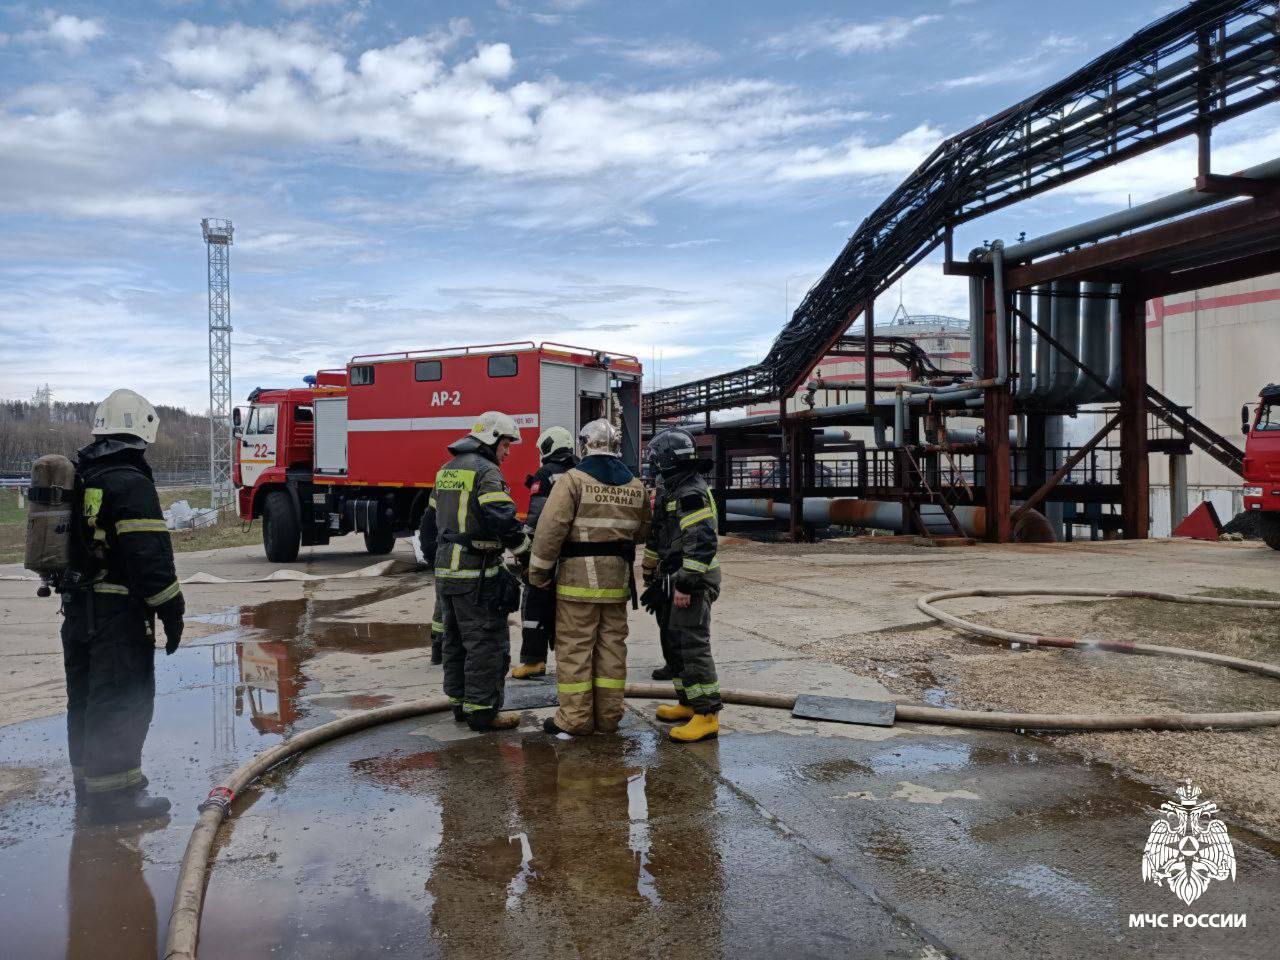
[538, 607]
[120, 580]
[586, 538]
[469, 520]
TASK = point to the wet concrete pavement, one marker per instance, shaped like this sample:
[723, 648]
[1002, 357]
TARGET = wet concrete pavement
[783, 838]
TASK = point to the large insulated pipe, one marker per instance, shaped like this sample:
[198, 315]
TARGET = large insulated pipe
[1093, 343]
[1045, 295]
[1026, 373]
[977, 330]
[1154, 211]
[1113, 338]
[853, 512]
[1065, 330]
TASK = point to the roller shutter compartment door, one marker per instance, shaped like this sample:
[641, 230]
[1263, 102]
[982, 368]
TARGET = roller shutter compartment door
[331, 436]
[558, 397]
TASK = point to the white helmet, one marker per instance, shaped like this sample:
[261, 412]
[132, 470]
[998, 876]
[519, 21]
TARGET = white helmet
[553, 439]
[126, 412]
[600, 436]
[493, 426]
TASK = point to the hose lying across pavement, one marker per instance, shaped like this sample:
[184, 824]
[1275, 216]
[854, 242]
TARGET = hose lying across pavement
[188, 900]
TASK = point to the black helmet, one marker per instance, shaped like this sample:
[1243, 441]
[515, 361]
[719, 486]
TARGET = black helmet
[673, 450]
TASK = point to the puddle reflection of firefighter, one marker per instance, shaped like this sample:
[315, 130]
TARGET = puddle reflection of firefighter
[110, 910]
[477, 858]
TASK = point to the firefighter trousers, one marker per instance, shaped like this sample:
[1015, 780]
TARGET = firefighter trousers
[111, 689]
[477, 655]
[437, 625]
[537, 623]
[591, 665]
[687, 644]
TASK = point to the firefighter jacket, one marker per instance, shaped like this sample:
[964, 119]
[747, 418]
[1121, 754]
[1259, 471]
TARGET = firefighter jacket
[125, 549]
[540, 483]
[470, 516]
[683, 541]
[596, 514]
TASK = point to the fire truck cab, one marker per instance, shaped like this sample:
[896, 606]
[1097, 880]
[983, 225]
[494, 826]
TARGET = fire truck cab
[357, 450]
[1262, 462]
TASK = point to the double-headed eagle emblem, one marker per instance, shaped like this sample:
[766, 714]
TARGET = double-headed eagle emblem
[1187, 847]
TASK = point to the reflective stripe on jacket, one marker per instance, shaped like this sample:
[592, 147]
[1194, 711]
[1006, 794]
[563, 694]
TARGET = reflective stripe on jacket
[582, 509]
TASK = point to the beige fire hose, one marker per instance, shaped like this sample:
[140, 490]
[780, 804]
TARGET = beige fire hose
[188, 899]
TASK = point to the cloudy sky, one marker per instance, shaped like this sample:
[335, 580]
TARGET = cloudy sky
[656, 178]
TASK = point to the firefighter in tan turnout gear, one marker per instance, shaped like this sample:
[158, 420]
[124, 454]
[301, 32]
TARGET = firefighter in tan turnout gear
[682, 580]
[469, 520]
[120, 581]
[596, 514]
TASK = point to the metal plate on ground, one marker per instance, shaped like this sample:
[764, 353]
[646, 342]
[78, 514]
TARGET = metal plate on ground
[871, 713]
[530, 697]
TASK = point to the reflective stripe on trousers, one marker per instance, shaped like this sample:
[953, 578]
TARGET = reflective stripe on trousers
[591, 665]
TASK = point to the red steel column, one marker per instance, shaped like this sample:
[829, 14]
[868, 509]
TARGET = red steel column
[1135, 480]
[998, 403]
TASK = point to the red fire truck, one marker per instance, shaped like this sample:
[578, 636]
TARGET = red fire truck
[357, 449]
[1262, 462]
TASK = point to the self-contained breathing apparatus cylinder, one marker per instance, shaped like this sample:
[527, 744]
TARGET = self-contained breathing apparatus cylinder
[50, 519]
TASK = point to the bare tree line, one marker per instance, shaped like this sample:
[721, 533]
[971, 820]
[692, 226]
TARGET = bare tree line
[30, 429]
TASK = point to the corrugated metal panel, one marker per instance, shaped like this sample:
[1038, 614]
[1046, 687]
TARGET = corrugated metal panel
[558, 397]
[592, 381]
[331, 435]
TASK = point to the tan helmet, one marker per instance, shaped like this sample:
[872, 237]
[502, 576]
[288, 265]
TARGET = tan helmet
[600, 436]
[126, 412]
[553, 439]
[492, 426]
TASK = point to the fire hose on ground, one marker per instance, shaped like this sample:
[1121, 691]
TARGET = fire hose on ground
[188, 900]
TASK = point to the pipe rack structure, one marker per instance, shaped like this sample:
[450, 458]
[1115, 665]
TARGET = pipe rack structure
[1058, 321]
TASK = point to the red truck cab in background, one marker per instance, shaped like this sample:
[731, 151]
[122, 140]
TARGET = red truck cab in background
[1262, 462]
[357, 450]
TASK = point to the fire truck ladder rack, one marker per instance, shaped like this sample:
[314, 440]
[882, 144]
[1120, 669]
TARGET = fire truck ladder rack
[1182, 75]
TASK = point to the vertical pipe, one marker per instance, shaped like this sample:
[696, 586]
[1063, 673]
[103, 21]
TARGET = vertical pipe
[1026, 376]
[1113, 337]
[869, 352]
[1135, 502]
[996, 408]
[1177, 490]
[1066, 331]
[1044, 320]
[976, 288]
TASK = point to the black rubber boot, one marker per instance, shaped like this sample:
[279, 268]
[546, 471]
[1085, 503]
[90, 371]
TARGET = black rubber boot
[549, 726]
[459, 716]
[664, 672]
[126, 806]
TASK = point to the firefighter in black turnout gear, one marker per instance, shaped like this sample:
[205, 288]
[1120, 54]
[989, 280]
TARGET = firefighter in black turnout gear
[469, 520]
[120, 581]
[682, 581]
[538, 607]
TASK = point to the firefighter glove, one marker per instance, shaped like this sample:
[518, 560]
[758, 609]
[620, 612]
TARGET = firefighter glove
[170, 614]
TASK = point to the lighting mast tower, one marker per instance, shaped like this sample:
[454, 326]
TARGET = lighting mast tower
[217, 238]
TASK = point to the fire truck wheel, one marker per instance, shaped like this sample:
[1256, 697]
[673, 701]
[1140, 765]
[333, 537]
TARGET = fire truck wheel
[281, 535]
[380, 541]
[1271, 530]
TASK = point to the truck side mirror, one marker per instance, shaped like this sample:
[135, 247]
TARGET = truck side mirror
[1244, 419]
[237, 427]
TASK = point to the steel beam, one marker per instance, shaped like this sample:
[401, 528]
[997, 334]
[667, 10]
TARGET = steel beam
[998, 404]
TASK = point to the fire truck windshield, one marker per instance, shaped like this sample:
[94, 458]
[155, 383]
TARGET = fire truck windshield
[1269, 416]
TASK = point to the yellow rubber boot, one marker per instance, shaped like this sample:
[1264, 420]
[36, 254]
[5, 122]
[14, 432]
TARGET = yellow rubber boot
[701, 726]
[671, 712]
[527, 670]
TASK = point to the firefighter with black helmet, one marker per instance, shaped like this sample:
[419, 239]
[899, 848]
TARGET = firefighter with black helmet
[120, 580]
[469, 520]
[538, 606]
[682, 581]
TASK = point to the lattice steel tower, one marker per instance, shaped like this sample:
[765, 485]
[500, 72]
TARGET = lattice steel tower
[217, 238]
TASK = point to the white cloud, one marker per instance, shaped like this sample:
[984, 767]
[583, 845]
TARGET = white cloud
[847, 37]
[72, 33]
[856, 157]
[666, 53]
[1044, 59]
